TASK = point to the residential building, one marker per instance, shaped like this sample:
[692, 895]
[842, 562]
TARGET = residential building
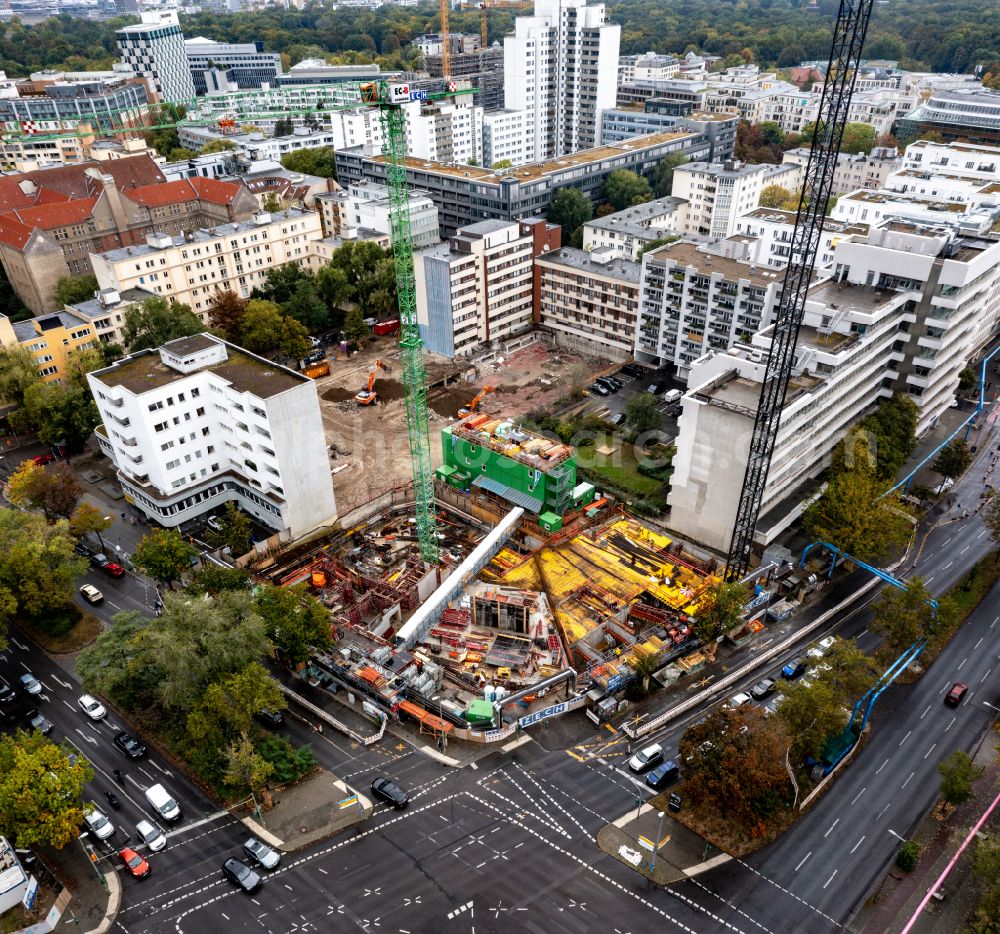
[972, 209]
[467, 194]
[973, 163]
[105, 312]
[447, 130]
[316, 71]
[247, 64]
[589, 301]
[51, 340]
[969, 115]
[475, 288]
[505, 138]
[155, 50]
[626, 233]
[191, 268]
[856, 170]
[649, 66]
[200, 422]
[682, 91]
[693, 299]
[366, 207]
[718, 129]
[560, 66]
[789, 107]
[764, 237]
[346, 128]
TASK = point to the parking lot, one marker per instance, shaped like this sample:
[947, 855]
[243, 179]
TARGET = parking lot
[614, 403]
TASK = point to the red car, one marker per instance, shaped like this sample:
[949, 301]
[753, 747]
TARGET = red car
[134, 863]
[955, 695]
[42, 459]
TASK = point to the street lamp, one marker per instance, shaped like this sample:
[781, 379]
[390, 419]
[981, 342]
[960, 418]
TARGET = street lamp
[104, 547]
[656, 845]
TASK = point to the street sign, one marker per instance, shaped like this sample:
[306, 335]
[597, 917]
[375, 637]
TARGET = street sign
[629, 855]
[646, 844]
[30, 893]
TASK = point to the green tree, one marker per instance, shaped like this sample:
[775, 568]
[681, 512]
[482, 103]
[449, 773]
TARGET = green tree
[503, 164]
[570, 209]
[246, 769]
[216, 145]
[280, 282]
[641, 412]
[40, 791]
[361, 273]
[355, 329]
[70, 290]
[225, 311]
[18, 373]
[991, 517]
[720, 609]
[958, 774]
[772, 134]
[908, 855]
[813, 714]
[295, 622]
[661, 179]
[212, 580]
[228, 705]
[283, 126]
[293, 338]
[318, 161]
[893, 430]
[164, 555]
[967, 379]
[952, 461]
[858, 137]
[62, 415]
[656, 244]
[306, 307]
[260, 327]
[157, 321]
[847, 670]
[236, 531]
[334, 285]
[774, 196]
[272, 202]
[904, 616]
[54, 489]
[623, 188]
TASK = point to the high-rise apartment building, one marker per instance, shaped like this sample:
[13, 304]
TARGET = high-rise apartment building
[561, 67]
[155, 49]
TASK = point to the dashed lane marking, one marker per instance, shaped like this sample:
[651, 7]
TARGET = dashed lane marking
[789, 892]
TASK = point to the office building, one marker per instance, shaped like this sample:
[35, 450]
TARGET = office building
[626, 233]
[246, 64]
[200, 422]
[192, 267]
[964, 115]
[680, 91]
[589, 301]
[561, 67]
[718, 129]
[649, 66]
[366, 207]
[155, 50]
[316, 71]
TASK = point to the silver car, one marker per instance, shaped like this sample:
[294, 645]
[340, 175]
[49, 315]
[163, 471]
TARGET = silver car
[261, 853]
[151, 835]
[98, 824]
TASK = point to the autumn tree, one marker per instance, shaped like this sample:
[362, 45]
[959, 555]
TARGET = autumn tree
[813, 714]
[958, 774]
[903, 616]
[774, 196]
[164, 555]
[87, 519]
[991, 517]
[720, 609]
[246, 769]
[157, 321]
[53, 489]
[229, 704]
[225, 311]
[624, 188]
[296, 623]
[952, 461]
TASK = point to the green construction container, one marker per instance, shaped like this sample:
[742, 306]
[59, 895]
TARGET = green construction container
[479, 712]
[550, 521]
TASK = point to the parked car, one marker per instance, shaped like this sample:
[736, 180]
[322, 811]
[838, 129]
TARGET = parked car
[129, 745]
[633, 370]
[6, 692]
[42, 459]
[38, 721]
[738, 700]
[214, 523]
[646, 758]
[653, 389]
[762, 689]
[135, 864]
[617, 418]
[771, 707]
[103, 563]
[91, 594]
[151, 835]
[599, 389]
[954, 697]
[98, 825]
[793, 669]
[612, 384]
[663, 775]
[92, 707]
[820, 648]
[30, 684]
[241, 875]
[271, 718]
[263, 855]
[389, 792]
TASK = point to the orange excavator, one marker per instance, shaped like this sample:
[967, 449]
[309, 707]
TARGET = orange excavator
[368, 395]
[467, 410]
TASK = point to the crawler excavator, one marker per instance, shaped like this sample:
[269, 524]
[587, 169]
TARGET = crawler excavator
[368, 395]
[467, 410]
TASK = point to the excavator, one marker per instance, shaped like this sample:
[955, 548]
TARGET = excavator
[467, 410]
[368, 395]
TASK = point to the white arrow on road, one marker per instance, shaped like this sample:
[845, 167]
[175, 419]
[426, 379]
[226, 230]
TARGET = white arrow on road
[160, 768]
[85, 737]
[20, 645]
[60, 681]
[44, 697]
[152, 778]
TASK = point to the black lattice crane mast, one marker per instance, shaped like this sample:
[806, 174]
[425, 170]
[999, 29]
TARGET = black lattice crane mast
[845, 55]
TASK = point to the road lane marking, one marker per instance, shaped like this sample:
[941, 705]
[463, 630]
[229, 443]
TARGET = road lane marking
[60, 681]
[68, 704]
[858, 795]
[929, 579]
[997, 620]
[804, 858]
[929, 751]
[979, 643]
[828, 881]
[905, 738]
[834, 824]
[950, 725]
[856, 845]
[882, 766]
[964, 660]
[197, 823]
[985, 676]
[20, 645]
[945, 688]
[907, 782]
[927, 711]
[880, 813]
[964, 550]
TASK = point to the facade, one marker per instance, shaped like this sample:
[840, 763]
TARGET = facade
[560, 67]
[52, 340]
[448, 130]
[505, 138]
[247, 62]
[682, 91]
[964, 115]
[467, 194]
[960, 160]
[764, 237]
[191, 267]
[971, 207]
[483, 68]
[627, 232]
[856, 170]
[475, 288]
[366, 207]
[105, 312]
[718, 129]
[155, 50]
[693, 300]
[647, 67]
[316, 71]
[200, 422]
[589, 302]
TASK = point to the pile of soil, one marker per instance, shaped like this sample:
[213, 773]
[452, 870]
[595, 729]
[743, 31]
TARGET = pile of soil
[388, 390]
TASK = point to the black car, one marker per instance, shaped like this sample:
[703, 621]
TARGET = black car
[129, 745]
[271, 718]
[609, 384]
[613, 381]
[389, 792]
[633, 370]
[38, 721]
[241, 875]
[6, 692]
[762, 689]
[599, 389]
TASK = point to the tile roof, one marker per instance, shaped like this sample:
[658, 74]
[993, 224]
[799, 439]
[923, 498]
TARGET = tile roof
[51, 216]
[186, 189]
[13, 232]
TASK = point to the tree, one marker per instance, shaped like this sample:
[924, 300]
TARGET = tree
[54, 489]
[87, 518]
[318, 161]
[216, 145]
[260, 327]
[952, 461]
[848, 671]
[991, 517]
[246, 769]
[70, 290]
[157, 321]
[280, 282]
[570, 209]
[967, 379]
[735, 764]
[893, 430]
[958, 774]
[641, 412]
[908, 855]
[18, 373]
[63, 415]
[228, 705]
[904, 616]
[503, 164]
[293, 338]
[774, 196]
[661, 179]
[361, 273]
[854, 514]
[236, 531]
[623, 188]
[40, 791]
[306, 307]
[858, 137]
[656, 244]
[272, 202]
[283, 126]
[212, 579]
[720, 609]
[771, 133]
[813, 714]
[164, 555]
[225, 311]
[295, 622]
[334, 285]
[355, 329]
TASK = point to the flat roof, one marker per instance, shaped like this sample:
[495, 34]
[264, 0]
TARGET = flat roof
[617, 267]
[244, 371]
[685, 253]
[863, 298]
[635, 215]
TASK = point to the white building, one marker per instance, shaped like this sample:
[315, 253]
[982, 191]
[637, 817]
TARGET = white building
[974, 209]
[233, 257]
[505, 137]
[975, 163]
[475, 288]
[856, 170]
[448, 130]
[365, 206]
[246, 64]
[627, 232]
[764, 237]
[561, 67]
[155, 50]
[200, 422]
[649, 66]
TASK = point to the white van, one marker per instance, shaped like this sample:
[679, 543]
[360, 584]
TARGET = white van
[672, 395]
[164, 805]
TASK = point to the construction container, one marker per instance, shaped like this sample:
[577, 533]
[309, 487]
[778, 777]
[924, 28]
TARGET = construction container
[479, 712]
[550, 521]
[316, 370]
